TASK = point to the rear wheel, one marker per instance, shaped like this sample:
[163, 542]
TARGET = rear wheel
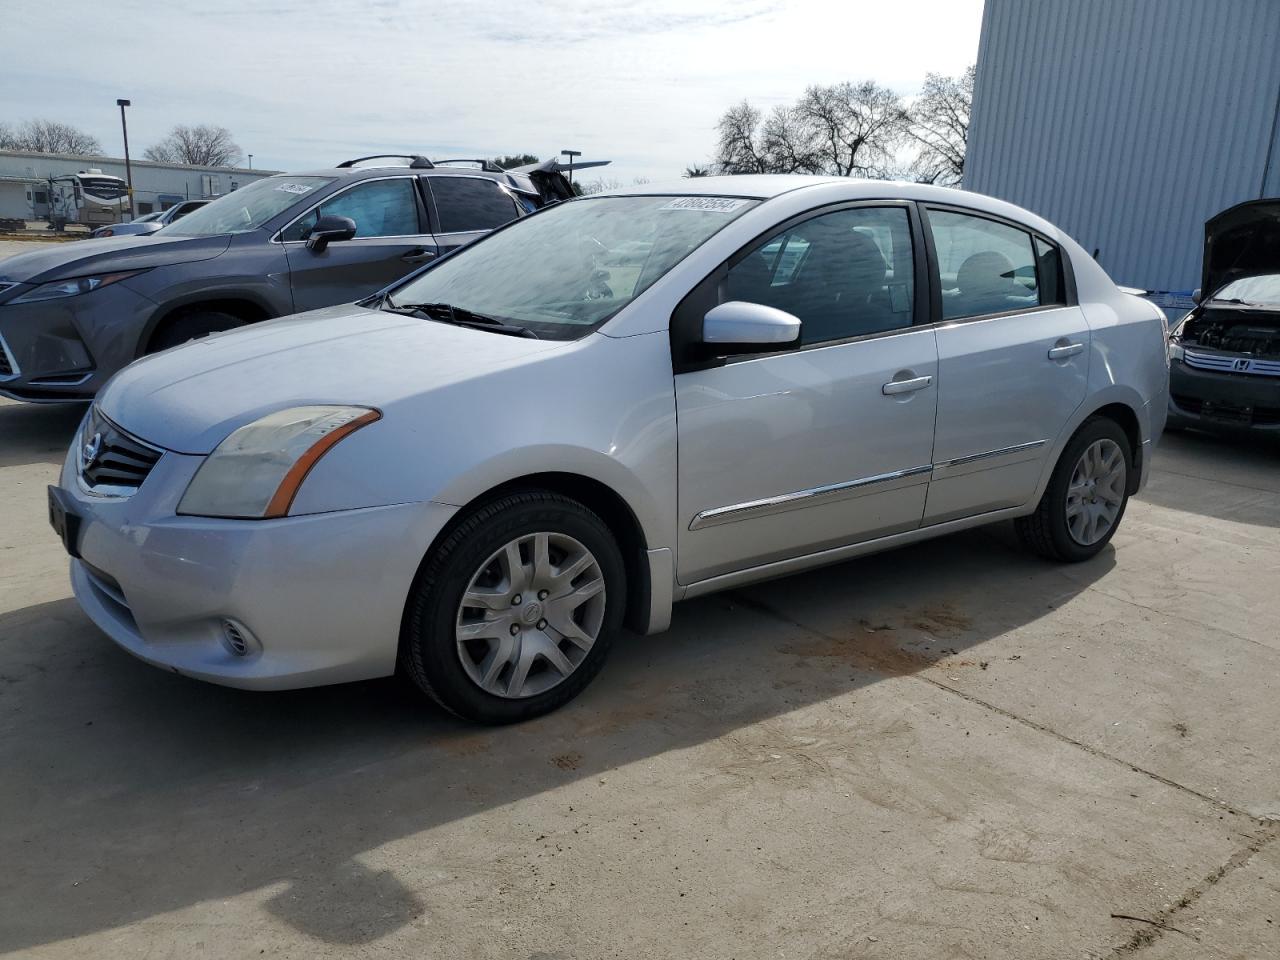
[1086, 496]
[191, 326]
[513, 614]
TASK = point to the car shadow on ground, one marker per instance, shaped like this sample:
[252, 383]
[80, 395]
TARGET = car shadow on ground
[37, 433]
[1249, 465]
[129, 792]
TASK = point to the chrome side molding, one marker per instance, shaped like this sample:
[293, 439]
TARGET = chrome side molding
[804, 498]
[848, 489]
[1003, 451]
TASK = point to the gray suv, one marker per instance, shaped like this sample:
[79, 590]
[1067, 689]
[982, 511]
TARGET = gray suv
[73, 314]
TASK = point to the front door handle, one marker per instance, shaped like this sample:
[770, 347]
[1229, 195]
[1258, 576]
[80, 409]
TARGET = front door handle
[418, 255]
[1065, 350]
[895, 387]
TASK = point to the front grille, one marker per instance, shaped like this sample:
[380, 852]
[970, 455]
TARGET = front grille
[1224, 363]
[8, 366]
[110, 459]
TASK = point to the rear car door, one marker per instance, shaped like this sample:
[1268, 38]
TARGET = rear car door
[1012, 360]
[467, 207]
[392, 239]
[786, 454]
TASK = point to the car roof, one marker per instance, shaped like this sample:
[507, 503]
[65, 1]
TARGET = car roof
[835, 189]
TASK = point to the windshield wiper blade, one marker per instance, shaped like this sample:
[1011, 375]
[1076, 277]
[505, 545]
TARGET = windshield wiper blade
[458, 316]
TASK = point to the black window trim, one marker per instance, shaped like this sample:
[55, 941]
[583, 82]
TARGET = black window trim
[436, 222]
[935, 277]
[684, 348]
[423, 220]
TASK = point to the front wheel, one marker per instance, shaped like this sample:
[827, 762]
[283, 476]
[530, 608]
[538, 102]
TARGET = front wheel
[513, 614]
[1086, 496]
[191, 326]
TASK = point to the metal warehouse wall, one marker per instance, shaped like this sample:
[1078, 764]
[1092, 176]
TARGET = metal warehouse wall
[1129, 123]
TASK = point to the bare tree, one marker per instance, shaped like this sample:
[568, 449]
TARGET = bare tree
[739, 149]
[854, 128]
[204, 145]
[845, 129]
[694, 170]
[48, 136]
[940, 127]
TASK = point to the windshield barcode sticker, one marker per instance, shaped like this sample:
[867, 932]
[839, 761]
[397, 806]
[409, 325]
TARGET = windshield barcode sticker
[294, 188]
[712, 204]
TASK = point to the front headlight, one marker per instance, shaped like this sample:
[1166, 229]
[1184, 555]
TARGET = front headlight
[255, 473]
[73, 288]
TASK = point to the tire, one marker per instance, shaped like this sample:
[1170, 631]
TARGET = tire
[436, 650]
[1048, 531]
[191, 326]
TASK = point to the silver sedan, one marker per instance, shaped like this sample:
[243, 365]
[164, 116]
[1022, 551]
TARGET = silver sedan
[479, 475]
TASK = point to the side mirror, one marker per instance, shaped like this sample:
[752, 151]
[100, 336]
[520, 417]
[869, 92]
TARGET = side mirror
[740, 327]
[1195, 295]
[328, 229]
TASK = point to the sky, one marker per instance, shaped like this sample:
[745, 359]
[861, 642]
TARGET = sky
[308, 83]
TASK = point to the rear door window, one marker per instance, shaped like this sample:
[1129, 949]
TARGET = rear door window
[984, 266]
[470, 203]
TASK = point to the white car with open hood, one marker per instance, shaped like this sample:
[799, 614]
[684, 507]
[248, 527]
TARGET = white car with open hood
[478, 476]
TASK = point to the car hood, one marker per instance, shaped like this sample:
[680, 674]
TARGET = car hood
[190, 398]
[1243, 241]
[80, 258]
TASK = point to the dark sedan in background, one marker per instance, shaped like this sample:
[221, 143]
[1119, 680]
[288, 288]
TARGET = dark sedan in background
[73, 314]
[1224, 370]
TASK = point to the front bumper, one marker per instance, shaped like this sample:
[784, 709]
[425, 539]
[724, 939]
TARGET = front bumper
[319, 598]
[66, 349]
[1195, 395]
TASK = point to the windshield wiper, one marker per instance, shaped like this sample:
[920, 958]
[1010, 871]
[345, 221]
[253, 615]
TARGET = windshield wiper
[458, 316]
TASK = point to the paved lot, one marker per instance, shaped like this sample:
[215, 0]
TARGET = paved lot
[950, 751]
[953, 750]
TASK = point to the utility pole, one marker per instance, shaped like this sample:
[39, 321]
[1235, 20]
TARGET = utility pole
[128, 167]
[571, 154]
[251, 161]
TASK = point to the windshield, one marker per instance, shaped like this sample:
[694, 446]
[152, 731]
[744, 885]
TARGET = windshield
[565, 271]
[245, 209]
[1253, 290]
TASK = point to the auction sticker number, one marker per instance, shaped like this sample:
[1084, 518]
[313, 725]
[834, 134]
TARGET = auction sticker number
[711, 204]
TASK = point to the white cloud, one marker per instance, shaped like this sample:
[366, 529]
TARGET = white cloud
[306, 84]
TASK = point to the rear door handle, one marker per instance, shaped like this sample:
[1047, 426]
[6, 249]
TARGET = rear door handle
[1064, 351]
[894, 387]
[418, 255]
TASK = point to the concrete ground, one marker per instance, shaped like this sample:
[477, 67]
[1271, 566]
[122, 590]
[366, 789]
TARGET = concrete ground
[950, 751]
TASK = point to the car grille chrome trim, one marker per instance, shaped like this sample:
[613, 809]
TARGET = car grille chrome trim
[8, 365]
[1231, 363]
[110, 461]
[803, 498]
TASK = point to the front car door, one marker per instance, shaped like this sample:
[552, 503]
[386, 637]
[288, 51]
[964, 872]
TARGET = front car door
[1012, 360]
[467, 207]
[392, 239]
[787, 454]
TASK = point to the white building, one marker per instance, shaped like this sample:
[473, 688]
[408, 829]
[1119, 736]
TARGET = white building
[156, 186]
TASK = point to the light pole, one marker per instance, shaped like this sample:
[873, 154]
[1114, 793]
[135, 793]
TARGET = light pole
[128, 167]
[571, 154]
[251, 161]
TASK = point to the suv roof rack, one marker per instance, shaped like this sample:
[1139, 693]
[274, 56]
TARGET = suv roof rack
[487, 165]
[416, 162]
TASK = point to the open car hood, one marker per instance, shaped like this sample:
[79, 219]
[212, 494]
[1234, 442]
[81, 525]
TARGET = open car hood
[1242, 241]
